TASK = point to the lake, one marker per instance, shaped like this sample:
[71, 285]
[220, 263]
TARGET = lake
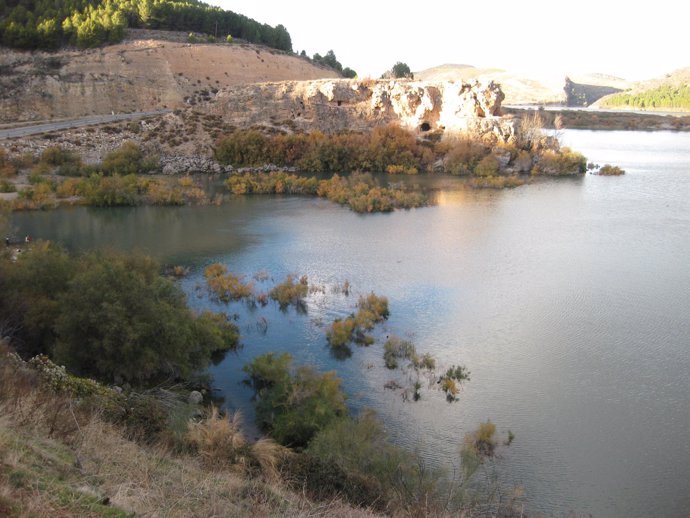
[567, 299]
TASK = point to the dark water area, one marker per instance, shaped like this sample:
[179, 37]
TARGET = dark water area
[567, 299]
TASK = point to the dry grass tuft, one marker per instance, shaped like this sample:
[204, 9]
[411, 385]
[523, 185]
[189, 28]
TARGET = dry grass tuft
[268, 454]
[219, 439]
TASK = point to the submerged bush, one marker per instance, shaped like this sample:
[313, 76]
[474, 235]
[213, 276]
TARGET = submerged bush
[610, 170]
[495, 182]
[372, 309]
[293, 404]
[560, 162]
[359, 191]
[225, 286]
[355, 459]
[341, 332]
[395, 349]
[290, 292]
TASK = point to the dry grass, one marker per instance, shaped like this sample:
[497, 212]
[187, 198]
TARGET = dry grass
[219, 439]
[59, 460]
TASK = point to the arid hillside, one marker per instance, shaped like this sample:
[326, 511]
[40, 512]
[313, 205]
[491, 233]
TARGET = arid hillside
[148, 71]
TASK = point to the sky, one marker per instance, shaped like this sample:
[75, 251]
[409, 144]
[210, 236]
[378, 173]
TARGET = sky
[623, 39]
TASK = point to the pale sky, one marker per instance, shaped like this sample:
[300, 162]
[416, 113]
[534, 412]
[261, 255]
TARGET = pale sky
[630, 40]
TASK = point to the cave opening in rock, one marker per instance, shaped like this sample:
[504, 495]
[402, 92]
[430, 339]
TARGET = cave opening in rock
[425, 126]
[340, 103]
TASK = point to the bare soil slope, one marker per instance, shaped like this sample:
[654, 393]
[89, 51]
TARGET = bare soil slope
[140, 74]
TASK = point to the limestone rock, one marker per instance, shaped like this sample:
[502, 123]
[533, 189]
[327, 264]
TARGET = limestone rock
[185, 164]
[195, 397]
[358, 105]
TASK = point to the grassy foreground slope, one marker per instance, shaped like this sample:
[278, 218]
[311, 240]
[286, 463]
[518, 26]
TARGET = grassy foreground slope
[59, 459]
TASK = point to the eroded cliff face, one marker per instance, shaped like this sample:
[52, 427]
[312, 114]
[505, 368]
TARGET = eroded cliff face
[358, 105]
[136, 75]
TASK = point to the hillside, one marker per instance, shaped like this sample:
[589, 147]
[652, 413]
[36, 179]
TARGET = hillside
[51, 24]
[530, 89]
[149, 70]
[668, 93]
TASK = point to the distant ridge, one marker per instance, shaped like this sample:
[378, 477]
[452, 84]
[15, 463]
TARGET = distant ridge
[533, 88]
[670, 92]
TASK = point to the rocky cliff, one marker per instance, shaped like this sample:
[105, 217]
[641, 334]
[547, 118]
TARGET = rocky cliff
[359, 105]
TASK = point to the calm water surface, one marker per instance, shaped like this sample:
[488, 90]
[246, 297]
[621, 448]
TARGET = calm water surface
[568, 301]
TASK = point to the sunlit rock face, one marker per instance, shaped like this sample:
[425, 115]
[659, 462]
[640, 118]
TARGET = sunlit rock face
[358, 105]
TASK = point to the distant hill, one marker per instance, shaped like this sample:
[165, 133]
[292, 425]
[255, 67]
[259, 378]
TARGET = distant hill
[670, 92]
[531, 89]
[50, 24]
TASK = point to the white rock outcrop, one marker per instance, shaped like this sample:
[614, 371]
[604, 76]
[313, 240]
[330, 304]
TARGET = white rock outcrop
[338, 104]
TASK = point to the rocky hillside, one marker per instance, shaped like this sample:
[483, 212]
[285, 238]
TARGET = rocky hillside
[149, 71]
[359, 105]
[530, 89]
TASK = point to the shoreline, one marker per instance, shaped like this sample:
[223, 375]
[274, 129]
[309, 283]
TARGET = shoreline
[605, 120]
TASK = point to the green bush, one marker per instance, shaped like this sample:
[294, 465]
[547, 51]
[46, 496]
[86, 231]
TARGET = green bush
[341, 332]
[495, 182]
[31, 288]
[123, 321]
[290, 292]
[560, 163]
[293, 404]
[7, 167]
[487, 166]
[128, 159]
[225, 286]
[6, 186]
[359, 191]
[58, 156]
[610, 170]
[375, 473]
[106, 315]
[372, 309]
[461, 155]
[395, 349]
[111, 191]
[243, 148]
[322, 480]
[315, 152]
